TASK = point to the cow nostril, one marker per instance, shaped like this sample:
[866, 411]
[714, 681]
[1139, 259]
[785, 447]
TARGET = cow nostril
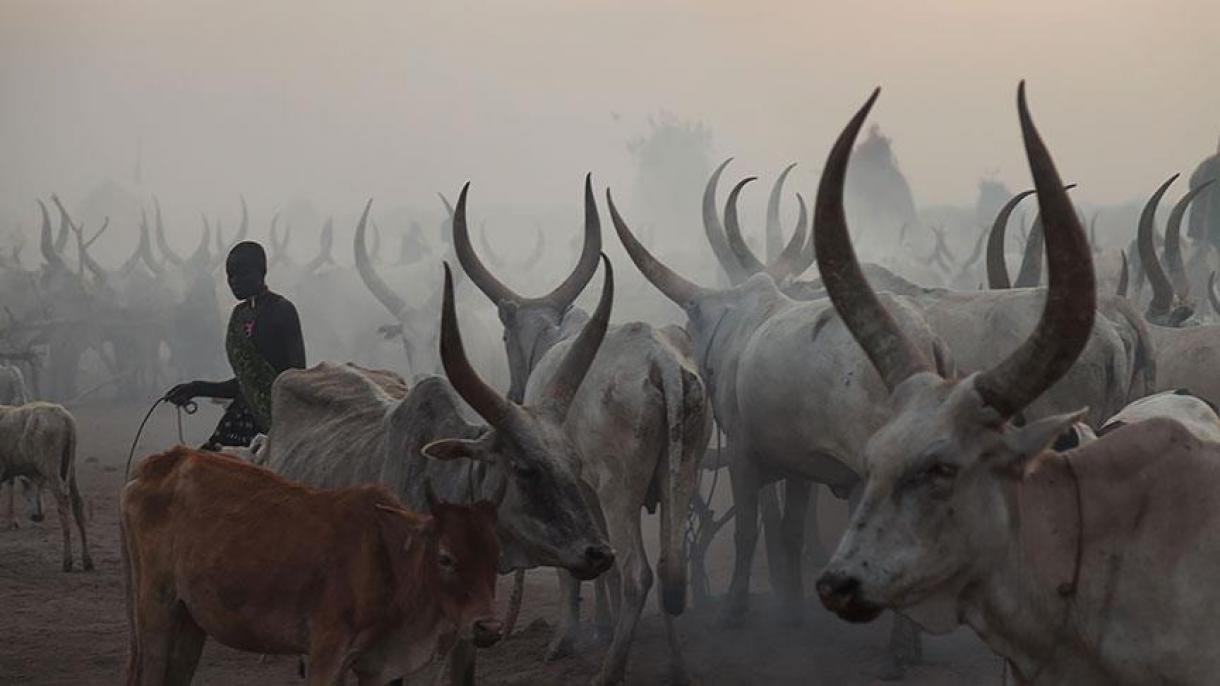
[836, 584]
[599, 556]
[487, 632]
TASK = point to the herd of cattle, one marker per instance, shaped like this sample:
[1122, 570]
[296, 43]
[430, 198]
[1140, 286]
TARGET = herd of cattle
[1024, 460]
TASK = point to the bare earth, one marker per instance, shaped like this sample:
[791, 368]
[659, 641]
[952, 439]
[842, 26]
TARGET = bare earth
[58, 628]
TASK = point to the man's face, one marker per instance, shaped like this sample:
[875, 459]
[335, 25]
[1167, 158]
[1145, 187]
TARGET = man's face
[245, 276]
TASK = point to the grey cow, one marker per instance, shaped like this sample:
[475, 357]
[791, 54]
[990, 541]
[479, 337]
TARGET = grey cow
[38, 442]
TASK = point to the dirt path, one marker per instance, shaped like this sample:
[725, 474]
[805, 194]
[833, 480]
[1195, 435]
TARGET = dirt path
[58, 628]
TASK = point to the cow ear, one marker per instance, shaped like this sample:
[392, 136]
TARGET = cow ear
[398, 518]
[480, 449]
[1027, 442]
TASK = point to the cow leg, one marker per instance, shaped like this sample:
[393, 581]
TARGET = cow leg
[815, 551]
[744, 476]
[637, 581]
[155, 627]
[569, 617]
[10, 517]
[461, 663]
[33, 497]
[603, 618]
[329, 660]
[792, 590]
[64, 508]
[186, 649]
[78, 513]
[771, 516]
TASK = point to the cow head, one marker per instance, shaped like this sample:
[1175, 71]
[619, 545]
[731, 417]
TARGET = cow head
[531, 325]
[458, 550]
[543, 517]
[935, 511]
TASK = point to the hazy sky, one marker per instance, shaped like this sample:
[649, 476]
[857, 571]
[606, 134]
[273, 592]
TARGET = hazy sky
[342, 100]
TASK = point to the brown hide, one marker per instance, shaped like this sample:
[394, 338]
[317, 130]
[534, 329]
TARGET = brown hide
[217, 547]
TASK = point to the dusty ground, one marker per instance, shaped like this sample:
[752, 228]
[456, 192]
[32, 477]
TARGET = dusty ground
[58, 628]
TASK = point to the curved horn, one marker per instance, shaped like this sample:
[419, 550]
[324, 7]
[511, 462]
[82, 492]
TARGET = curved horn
[244, 228]
[976, 252]
[1211, 293]
[792, 255]
[746, 259]
[326, 242]
[540, 245]
[1071, 301]
[807, 252]
[664, 279]
[1162, 290]
[714, 230]
[870, 323]
[145, 247]
[167, 253]
[775, 237]
[65, 226]
[491, 406]
[579, 357]
[47, 244]
[1173, 240]
[202, 252]
[486, 247]
[565, 294]
[368, 274]
[1124, 276]
[997, 271]
[492, 287]
[1030, 273]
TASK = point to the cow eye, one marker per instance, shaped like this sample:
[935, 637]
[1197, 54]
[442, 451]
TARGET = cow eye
[941, 471]
[525, 469]
[446, 560]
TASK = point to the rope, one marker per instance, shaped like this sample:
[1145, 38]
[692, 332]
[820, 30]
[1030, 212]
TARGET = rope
[189, 408]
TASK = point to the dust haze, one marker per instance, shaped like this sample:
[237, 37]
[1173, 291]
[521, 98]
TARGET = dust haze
[327, 104]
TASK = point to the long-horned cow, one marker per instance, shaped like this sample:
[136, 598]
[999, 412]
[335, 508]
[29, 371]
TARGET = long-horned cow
[640, 422]
[1079, 568]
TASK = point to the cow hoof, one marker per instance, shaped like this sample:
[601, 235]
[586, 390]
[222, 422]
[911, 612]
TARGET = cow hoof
[560, 648]
[36, 518]
[88, 564]
[68, 565]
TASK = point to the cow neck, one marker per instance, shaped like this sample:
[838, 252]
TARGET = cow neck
[1025, 607]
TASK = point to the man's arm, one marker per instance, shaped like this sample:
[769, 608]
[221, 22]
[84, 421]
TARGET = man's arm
[290, 342]
[184, 393]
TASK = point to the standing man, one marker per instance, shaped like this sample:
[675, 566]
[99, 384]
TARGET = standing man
[1204, 223]
[263, 339]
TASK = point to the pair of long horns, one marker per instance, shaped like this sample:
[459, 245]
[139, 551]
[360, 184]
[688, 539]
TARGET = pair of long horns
[1165, 286]
[496, 409]
[729, 245]
[1067, 318]
[565, 293]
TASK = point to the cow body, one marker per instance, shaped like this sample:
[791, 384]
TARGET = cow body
[215, 547]
[38, 443]
[1197, 415]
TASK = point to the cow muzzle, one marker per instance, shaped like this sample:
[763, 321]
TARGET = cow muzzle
[595, 561]
[486, 632]
[840, 593]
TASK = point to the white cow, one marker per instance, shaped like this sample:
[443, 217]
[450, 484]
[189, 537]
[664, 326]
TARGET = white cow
[38, 442]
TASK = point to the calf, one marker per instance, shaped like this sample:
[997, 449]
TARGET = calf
[214, 546]
[38, 443]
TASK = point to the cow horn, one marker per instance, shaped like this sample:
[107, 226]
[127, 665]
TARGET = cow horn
[368, 274]
[807, 252]
[146, 247]
[448, 206]
[565, 294]
[976, 252]
[1173, 240]
[1124, 276]
[1071, 301]
[579, 357]
[485, 246]
[1030, 273]
[163, 244]
[746, 259]
[243, 228]
[202, 253]
[326, 242]
[775, 238]
[870, 323]
[492, 287]
[1211, 293]
[61, 238]
[47, 244]
[791, 260]
[715, 230]
[1162, 290]
[680, 291]
[491, 406]
[997, 271]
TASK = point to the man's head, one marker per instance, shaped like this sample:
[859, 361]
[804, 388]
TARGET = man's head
[246, 267]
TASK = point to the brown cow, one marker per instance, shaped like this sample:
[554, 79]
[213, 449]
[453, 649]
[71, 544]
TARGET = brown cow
[213, 546]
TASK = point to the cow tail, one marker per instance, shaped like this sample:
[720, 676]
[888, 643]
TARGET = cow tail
[514, 602]
[673, 561]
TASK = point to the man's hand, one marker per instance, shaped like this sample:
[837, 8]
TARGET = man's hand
[183, 393]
